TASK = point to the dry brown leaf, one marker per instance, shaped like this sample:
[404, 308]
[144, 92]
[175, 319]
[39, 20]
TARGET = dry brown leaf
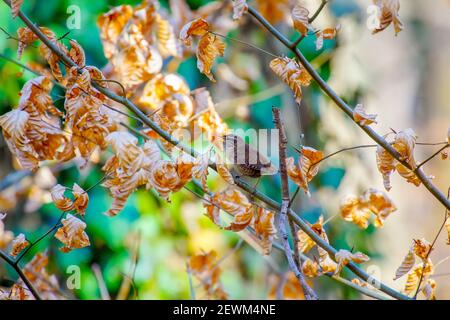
[422, 248]
[15, 7]
[25, 37]
[223, 171]
[81, 199]
[306, 169]
[273, 11]
[343, 257]
[60, 200]
[407, 264]
[293, 74]
[72, 234]
[18, 245]
[111, 25]
[359, 209]
[310, 268]
[389, 13]
[265, 228]
[239, 8]
[300, 18]
[198, 27]
[429, 290]
[415, 275]
[209, 48]
[166, 40]
[360, 116]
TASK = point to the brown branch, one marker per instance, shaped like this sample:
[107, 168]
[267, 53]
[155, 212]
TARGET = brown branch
[21, 274]
[285, 201]
[347, 109]
[302, 224]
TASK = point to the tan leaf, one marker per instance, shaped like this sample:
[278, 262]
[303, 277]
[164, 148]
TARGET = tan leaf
[165, 36]
[265, 228]
[81, 199]
[422, 248]
[386, 166]
[18, 245]
[429, 290]
[198, 27]
[273, 11]
[200, 170]
[77, 54]
[343, 257]
[239, 8]
[25, 37]
[223, 171]
[389, 13]
[307, 167]
[300, 18]
[360, 116]
[111, 25]
[72, 234]
[310, 268]
[294, 75]
[415, 275]
[60, 200]
[15, 7]
[209, 48]
[407, 264]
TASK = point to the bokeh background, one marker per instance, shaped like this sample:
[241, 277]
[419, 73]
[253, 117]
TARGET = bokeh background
[404, 79]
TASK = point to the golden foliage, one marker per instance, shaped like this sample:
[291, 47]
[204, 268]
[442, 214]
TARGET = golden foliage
[404, 142]
[15, 7]
[328, 34]
[306, 169]
[407, 264]
[360, 116]
[300, 19]
[273, 11]
[343, 257]
[293, 74]
[265, 228]
[204, 267]
[414, 276]
[25, 37]
[72, 234]
[359, 209]
[209, 48]
[239, 8]
[18, 245]
[389, 13]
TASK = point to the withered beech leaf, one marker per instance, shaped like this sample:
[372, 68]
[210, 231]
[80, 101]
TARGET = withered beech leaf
[198, 27]
[388, 13]
[358, 210]
[209, 48]
[300, 18]
[360, 116]
[293, 74]
[72, 234]
[18, 245]
[239, 8]
[15, 7]
[407, 264]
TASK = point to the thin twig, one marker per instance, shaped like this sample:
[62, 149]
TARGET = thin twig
[191, 284]
[282, 221]
[432, 156]
[21, 274]
[310, 20]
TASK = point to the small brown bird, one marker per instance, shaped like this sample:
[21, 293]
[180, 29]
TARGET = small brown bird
[246, 160]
